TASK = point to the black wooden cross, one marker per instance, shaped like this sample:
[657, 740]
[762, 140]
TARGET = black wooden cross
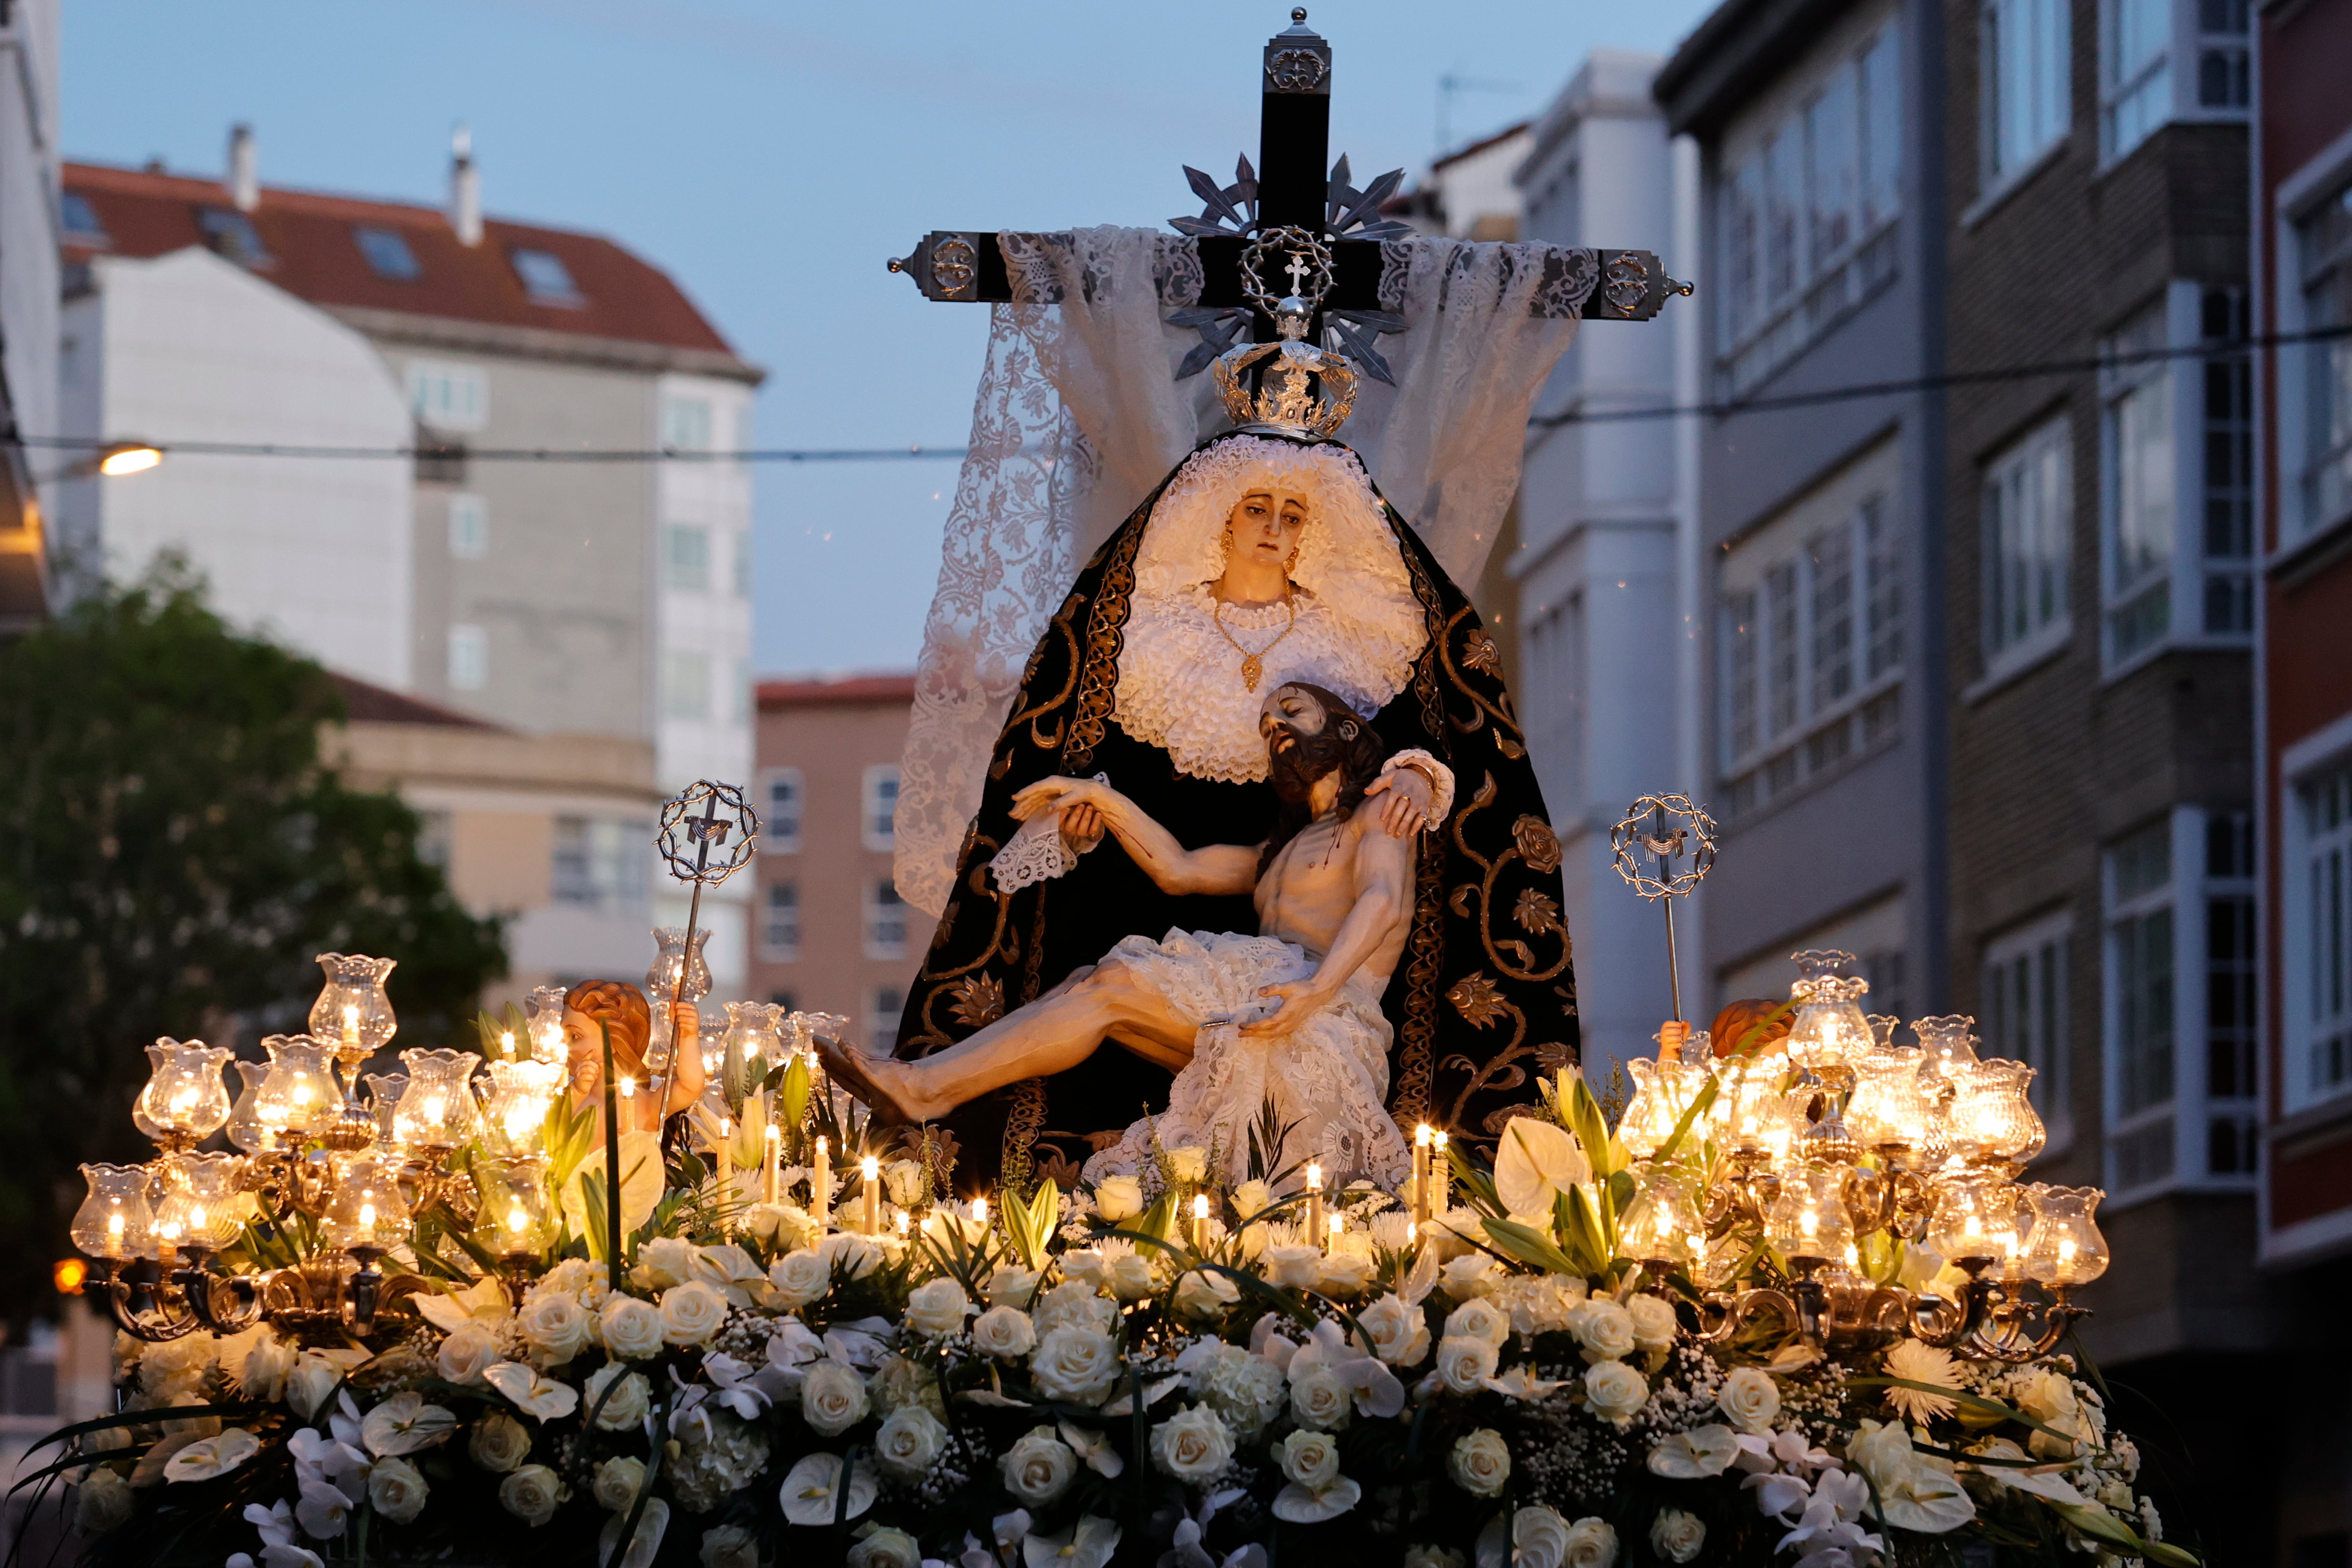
[1290, 187]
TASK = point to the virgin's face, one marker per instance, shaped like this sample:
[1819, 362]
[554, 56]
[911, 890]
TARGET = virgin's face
[1264, 528]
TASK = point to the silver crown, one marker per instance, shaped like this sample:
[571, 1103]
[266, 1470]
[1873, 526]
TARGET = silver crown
[1302, 391]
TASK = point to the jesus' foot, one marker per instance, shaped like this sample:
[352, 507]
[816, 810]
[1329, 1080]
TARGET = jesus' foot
[871, 1078]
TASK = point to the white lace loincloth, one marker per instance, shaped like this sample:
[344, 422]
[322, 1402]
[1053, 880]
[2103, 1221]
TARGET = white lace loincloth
[1329, 1075]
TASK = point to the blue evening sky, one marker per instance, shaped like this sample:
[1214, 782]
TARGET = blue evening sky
[770, 156]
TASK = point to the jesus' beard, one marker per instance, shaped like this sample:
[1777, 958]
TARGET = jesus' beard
[1294, 769]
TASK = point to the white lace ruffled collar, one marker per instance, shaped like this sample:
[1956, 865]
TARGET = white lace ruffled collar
[1180, 681]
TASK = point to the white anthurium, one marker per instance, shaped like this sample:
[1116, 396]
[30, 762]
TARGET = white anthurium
[1100, 1454]
[1377, 1391]
[484, 1301]
[1694, 1455]
[1521, 1382]
[1420, 1279]
[542, 1399]
[811, 1493]
[404, 1423]
[2041, 1481]
[862, 1342]
[1086, 1544]
[641, 1183]
[209, 1457]
[1535, 1161]
[1296, 1504]
[991, 1399]
[1153, 1393]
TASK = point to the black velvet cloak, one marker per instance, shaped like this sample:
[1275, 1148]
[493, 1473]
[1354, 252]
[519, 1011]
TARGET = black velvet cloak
[1485, 996]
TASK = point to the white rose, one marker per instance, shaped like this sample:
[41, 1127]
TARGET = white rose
[909, 1442]
[1189, 1163]
[664, 1262]
[1480, 1463]
[1399, 1333]
[938, 1307]
[850, 1255]
[1318, 1399]
[1131, 1277]
[1119, 1198]
[691, 1313]
[1676, 1536]
[498, 1442]
[102, 1502]
[1294, 1266]
[1464, 1364]
[833, 1398]
[618, 1481]
[396, 1489]
[1472, 1274]
[882, 1547]
[1749, 1398]
[307, 1386]
[625, 1407]
[469, 1351]
[1192, 1446]
[1039, 1468]
[777, 1226]
[1205, 1295]
[1075, 1365]
[1084, 1266]
[1311, 1460]
[1653, 1322]
[903, 1179]
[531, 1494]
[1075, 1304]
[1004, 1333]
[729, 1546]
[1539, 1538]
[631, 1329]
[1615, 1392]
[799, 1277]
[1479, 1318]
[1591, 1543]
[1603, 1328]
[1344, 1273]
[1251, 1197]
[263, 1376]
[555, 1325]
[1010, 1286]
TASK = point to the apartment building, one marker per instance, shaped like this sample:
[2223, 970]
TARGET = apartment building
[29, 299]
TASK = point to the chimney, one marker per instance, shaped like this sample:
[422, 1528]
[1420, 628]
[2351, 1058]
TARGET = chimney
[243, 173]
[465, 189]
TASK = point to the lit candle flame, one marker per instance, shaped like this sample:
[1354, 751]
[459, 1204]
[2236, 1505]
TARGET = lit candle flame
[980, 1211]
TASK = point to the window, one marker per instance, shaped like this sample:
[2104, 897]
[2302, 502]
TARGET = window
[1811, 639]
[881, 806]
[469, 659]
[2233, 979]
[2022, 1006]
[2223, 80]
[2229, 466]
[231, 234]
[882, 1023]
[2140, 1037]
[2323, 243]
[686, 558]
[448, 397]
[2023, 62]
[2029, 526]
[2134, 72]
[545, 278]
[780, 812]
[80, 222]
[686, 683]
[1806, 203]
[686, 423]
[600, 865]
[740, 577]
[779, 929]
[2138, 488]
[469, 527]
[435, 835]
[2324, 944]
[885, 920]
[386, 253]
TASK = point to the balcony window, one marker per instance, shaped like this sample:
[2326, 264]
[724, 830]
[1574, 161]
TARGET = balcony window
[880, 807]
[885, 920]
[469, 527]
[686, 683]
[445, 396]
[2022, 1009]
[2324, 246]
[779, 925]
[600, 865]
[2028, 540]
[781, 797]
[469, 658]
[686, 558]
[2229, 468]
[2319, 876]
[2139, 488]
[2027, 102]
[686, 423]
[882, 1022]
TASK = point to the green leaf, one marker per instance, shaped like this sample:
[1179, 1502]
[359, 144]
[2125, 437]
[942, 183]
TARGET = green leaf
[2100, 1525]
[1592, 1128]
[793, 1093]
[1529, 1246]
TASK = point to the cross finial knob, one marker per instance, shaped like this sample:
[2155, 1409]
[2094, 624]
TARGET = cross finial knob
[1299, 14]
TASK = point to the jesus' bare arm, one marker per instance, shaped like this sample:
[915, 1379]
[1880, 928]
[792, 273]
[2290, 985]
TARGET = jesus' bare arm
[1213, 868]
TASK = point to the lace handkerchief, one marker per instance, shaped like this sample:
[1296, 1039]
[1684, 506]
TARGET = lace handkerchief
[1038, 852]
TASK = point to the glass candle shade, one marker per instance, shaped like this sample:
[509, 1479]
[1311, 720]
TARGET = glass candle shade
[203, 1206]
[544, 1020]
[436, 1110]
[1949, 1047]
[384, 1090]
[245, 1128]
[1887, 1108]
[1756, 1118]
[514, 1111]
[113, 1220]
[298, 1097]
[516, 1219]
[186, 1100]
[1975, 1219]
[352, 1013]
[1828, 1030]
[1664, 1090]
[1807, 1221]
[1662, 1224]
[671, 956]
[1882, 1028]
[2066, 1247]
[1989, 1119]
[368, 1208]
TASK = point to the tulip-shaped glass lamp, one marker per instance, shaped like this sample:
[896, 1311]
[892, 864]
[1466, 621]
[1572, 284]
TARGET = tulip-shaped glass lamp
[1662, 1225]
[543, 1019]
[2066, 1247]
[516, 1221]
[299, 1098]
[514, 1112]
[186, 1100]
[113, 1220]
[203, 1204]
[368, 1214]
[1888, 1110]
[436, 1112]
[1828, 1030]
[1808, 1222]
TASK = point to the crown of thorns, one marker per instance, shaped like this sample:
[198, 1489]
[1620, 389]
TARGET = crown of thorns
[699, 823]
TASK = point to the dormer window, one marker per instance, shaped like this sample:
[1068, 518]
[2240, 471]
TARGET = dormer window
[80, 222]
[231, 234]
[387, 253]
[545, 278]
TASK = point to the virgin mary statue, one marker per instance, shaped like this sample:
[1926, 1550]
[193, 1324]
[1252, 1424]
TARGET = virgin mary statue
[1267, 555]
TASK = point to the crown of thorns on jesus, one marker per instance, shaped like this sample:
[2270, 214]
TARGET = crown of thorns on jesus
[692, 826]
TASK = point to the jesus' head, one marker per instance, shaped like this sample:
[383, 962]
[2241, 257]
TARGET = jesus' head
[1311, 733]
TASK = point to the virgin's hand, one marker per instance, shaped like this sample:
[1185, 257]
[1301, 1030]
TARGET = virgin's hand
[1409, 796]
[1301, 1000]
[1046, 795]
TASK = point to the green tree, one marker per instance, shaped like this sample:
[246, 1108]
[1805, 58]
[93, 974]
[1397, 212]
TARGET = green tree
[173, 853]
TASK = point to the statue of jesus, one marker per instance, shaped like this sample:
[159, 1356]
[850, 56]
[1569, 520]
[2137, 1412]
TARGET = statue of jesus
[1290, 1015]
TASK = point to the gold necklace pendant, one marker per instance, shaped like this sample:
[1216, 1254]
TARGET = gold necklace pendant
[1251, 668]
[1254, 665]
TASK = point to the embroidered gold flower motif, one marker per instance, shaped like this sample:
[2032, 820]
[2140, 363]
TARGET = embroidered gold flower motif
[1552, 1056]
[1535, 912]
[1480, 652]
[978, 1001]
[1476, 999]
[1538, 842]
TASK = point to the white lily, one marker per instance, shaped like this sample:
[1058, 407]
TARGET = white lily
[540, 1398]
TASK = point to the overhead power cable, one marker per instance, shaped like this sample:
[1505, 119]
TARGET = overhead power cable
[2215, 348]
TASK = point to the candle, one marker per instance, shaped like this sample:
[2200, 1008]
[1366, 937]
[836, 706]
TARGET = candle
[351, 1028]
[1441, 1174]
[725, 1162]
[821, 1189]
[870, 1169]
[505, 1043]
[980, 1218]
[772, 1163]
[1338, 1228]
[1315, 1204]
[1421, 1174]
[1199, 1222]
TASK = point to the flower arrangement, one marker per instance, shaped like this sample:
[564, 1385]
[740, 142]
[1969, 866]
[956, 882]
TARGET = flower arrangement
[1144, 1371]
